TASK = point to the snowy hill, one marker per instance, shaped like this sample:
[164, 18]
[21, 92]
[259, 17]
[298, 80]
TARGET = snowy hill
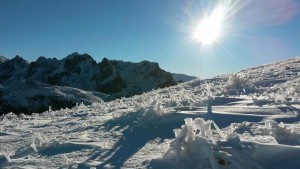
[116, 78]
[246, 120]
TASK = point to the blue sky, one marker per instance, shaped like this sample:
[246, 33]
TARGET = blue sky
[255, 32]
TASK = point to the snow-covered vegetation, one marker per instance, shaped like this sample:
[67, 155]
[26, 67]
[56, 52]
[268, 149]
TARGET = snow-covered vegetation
[195, 146]
[251, 125]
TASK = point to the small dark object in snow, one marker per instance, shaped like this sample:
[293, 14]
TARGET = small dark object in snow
[221, 161]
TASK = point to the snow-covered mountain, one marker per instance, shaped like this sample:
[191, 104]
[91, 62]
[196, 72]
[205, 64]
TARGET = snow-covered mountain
[112, 77]
[116, 78]
[3, 59]
[127, 79]
[32, 96]
[246, 120]
[182, 77]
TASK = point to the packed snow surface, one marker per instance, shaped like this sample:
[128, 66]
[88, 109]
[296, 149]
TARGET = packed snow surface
[235, 122]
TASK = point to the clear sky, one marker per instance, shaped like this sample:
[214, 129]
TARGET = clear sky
[253, 32]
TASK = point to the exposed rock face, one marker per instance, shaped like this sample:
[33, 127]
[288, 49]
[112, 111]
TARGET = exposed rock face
[125, 78]
[116, 78]
[14, 69]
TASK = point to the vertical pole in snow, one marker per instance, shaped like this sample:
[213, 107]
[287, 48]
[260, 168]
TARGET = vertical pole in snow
[209, 102]
[209, 109]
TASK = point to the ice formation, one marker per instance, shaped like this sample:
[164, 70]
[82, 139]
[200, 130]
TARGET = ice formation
[193, 142]
[197, 145]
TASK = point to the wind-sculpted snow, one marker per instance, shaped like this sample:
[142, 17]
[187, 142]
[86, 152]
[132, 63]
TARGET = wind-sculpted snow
[135, 133]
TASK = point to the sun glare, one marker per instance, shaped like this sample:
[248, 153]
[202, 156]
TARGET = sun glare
[209, 29]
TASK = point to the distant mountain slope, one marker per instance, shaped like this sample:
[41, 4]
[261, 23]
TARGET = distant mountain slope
[126, 78]
[182, 77]
[116, 78]
[32, 96]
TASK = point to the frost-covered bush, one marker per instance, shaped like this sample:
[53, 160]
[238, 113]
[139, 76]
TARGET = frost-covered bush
[7, 157]
[236, 81]
[238, 84]
[282, 132]
[143, 110]
[195, 146]
[148, 115]
[192, 145]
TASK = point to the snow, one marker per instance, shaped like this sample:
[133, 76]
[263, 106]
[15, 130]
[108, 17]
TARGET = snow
[3, 59]
[168, 128]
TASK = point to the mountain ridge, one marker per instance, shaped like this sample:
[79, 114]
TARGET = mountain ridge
[81, 71]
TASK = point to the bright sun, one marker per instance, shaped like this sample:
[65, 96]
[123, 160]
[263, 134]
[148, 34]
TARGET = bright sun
[210, 28]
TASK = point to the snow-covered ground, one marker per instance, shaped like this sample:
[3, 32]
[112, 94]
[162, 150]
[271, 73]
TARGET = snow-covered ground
[253, 123]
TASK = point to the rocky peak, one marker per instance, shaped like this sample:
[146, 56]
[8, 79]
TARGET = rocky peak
[41, 68]
[13, 69]
[123, 77]
[78, 57]
[76, 62]
[3, 59]
[19, 61]
[72, 55]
